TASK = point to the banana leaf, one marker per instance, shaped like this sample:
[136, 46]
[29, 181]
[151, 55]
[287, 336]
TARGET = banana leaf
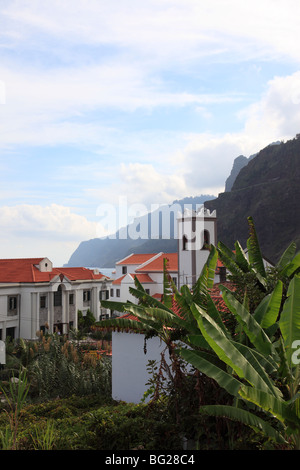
[273, 405]
[229, 353]
[289, 322]
[199, 361]
[286, 257]
[241, 257]
[253, 330]
[245, 417]
[254, 253]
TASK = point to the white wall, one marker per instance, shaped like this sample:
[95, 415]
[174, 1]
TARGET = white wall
[129, 365]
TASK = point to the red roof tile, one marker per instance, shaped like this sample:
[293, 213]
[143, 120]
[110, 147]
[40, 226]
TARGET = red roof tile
[26, 270]
[142, 278]
[157, 264]
[119, 280]
[136, 258]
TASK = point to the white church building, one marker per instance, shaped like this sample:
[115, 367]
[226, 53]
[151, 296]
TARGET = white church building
[196, 231]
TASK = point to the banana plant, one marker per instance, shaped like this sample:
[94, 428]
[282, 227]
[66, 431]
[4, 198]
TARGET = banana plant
[265, 373]
[248, 272]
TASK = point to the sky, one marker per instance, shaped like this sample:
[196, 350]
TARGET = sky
[145, 102]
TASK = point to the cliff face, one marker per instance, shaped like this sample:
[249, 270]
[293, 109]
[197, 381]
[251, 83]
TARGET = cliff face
[238, 164]
[268, 189]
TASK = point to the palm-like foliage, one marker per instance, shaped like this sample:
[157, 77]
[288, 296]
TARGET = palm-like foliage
[158, 318]
[248, 271]
[257, 371]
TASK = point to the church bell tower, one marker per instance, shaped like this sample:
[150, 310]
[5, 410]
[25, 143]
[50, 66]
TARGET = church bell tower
[197, 230]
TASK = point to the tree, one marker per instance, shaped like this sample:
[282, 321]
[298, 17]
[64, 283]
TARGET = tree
[265, 373]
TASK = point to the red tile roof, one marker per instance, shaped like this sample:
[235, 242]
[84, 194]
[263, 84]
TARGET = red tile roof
[136, 258]
[157, 264]
[26, 270]
[119, 280]
[143, 278]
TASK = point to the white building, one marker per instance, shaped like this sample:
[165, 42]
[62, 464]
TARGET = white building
[196, 231]
[148, 269]
[34, 296]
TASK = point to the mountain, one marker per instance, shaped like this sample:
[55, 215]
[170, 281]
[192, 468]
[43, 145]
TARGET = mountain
[239, 162]
[268, 189]
[265, 186]
[154, 232]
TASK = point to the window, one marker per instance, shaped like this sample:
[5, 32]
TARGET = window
[206, 240]
[58, 297]
[174, 279]
[71, 299]
[124, 269]
[111, 292]
[104, 295]
[184, 243]
[43, 301]
[118, 293]
[12, 303]
[86, 295]
[147, 291]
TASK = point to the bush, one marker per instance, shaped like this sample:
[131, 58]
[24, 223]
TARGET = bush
[60, 369]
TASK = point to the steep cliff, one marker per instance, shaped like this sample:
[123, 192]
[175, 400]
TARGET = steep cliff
[268, 189]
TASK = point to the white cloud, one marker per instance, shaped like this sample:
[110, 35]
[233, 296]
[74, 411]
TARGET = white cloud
[278, 111]
[53, 231]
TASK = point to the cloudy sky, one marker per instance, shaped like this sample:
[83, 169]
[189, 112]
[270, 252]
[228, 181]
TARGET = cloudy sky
[150, 101]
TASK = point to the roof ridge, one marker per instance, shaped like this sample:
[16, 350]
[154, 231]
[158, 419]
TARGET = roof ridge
[154, 257]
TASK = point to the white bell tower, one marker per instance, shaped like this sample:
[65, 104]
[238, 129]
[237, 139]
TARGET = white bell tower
[197, 230]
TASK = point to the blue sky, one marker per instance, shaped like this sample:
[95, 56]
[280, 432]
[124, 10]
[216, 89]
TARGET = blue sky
[149, 101]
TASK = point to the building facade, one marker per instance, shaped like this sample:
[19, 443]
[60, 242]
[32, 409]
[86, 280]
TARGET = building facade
[36, 296]
[197, 230]
[148, 269]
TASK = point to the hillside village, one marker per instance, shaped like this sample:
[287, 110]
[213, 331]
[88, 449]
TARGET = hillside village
[43, 306]
[36, 296]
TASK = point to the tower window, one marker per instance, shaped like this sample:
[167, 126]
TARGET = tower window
[206, 240]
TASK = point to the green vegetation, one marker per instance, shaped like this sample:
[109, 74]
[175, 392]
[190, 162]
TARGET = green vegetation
[228, 378]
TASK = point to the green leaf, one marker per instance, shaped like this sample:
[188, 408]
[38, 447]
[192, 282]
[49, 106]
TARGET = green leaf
[215, 315]
[271, 404]
[292, 267]
[273, 307]
[227, 351]
[122, 324]
[245, 417]
[286, 257]
[254, 253]
[198, 341]
[241, 257]
[147, 299]
[253, 330]
[289, 322]
[264, 366]
[225, 380]
[206, 278]
[228, 258]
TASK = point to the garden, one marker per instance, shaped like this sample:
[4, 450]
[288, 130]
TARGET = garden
[227, 380]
